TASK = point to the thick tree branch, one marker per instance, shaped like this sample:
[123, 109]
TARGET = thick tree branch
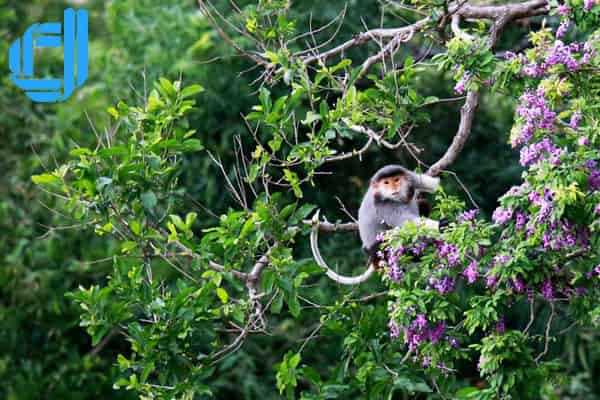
[325, 226]
[467, 113]
[502, 15]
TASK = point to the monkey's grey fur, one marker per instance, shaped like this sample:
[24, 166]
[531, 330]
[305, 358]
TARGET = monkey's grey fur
[378, 214]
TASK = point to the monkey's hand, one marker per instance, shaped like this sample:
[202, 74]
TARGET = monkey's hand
[429, 223]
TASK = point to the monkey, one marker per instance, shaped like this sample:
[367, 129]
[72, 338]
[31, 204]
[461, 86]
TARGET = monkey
[391, 200]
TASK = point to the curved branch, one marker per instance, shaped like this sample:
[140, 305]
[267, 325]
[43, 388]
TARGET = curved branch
[467, 113]
[314, 246]
[455, 25]
[502, 15]
[350, 154]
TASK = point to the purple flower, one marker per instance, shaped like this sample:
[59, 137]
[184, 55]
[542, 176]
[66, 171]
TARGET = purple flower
[597, 209]
[591, 164]
[563, 10]
[426, 362]
[575, 120]
[536, 152]
[418, 248]
[471, 272]
[588, 4]
[533, 70]
[562, 54]
[420, 321]
[562, 28]
[444, 285]
[491, 281]
[449, 252]
[461, 85]
[536, 114]
[468, 215]
[502, 215]
[501, 259]
[547, 289]
[501, 325]
[394, 329]
[583, 141]
[436, 333]
[518, 285]
[454, 342]
[594, 180]
[395, 273]
[520, 220]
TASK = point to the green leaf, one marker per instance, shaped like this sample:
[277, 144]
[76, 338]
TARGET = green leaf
[191, 90]
[45, 179]
[128, 246]
[310, 118]
[192, 145]
[149, 200]
[222, 295]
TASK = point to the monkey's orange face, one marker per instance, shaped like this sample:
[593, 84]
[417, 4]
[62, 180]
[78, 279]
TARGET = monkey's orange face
[396, 187]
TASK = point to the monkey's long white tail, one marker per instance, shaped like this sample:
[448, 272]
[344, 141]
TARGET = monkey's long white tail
[314, 246]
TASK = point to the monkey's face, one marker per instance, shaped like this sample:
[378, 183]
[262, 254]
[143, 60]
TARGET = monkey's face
[396, 187]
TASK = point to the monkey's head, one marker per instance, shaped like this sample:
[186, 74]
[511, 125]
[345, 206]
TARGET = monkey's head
[396, 183]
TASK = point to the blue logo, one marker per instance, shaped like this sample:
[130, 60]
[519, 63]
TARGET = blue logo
[74, 40]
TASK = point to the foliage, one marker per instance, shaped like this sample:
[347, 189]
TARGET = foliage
[191, 305]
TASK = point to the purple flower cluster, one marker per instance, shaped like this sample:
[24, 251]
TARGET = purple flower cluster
[536, 152]
[443, 285]
[518, 285]
[536, 114]
[563, 54]
[502, 215]
[547, 289]
[572, 56]
[565, 235]
[575, 120]
[471, 273]
[461, 85]
[394, 329]
[501, 325]
[501, 259]
[545, 203]
[468, 216]
[449, 252]
[520, 220]
[588, 4]
[594, 180]
[563, 10]
[420, 331]
[491, 281]
[562, 28]
[391, 257]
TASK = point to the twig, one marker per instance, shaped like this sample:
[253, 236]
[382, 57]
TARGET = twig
[547, 332]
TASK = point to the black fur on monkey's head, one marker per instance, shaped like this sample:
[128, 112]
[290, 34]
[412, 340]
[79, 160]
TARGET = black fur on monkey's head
[390, 170]
[406, 186]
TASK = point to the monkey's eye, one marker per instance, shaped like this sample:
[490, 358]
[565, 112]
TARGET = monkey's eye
[397, 180]
[386, 182]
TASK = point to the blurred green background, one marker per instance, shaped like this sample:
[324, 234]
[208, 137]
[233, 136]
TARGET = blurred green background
[44, 354]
